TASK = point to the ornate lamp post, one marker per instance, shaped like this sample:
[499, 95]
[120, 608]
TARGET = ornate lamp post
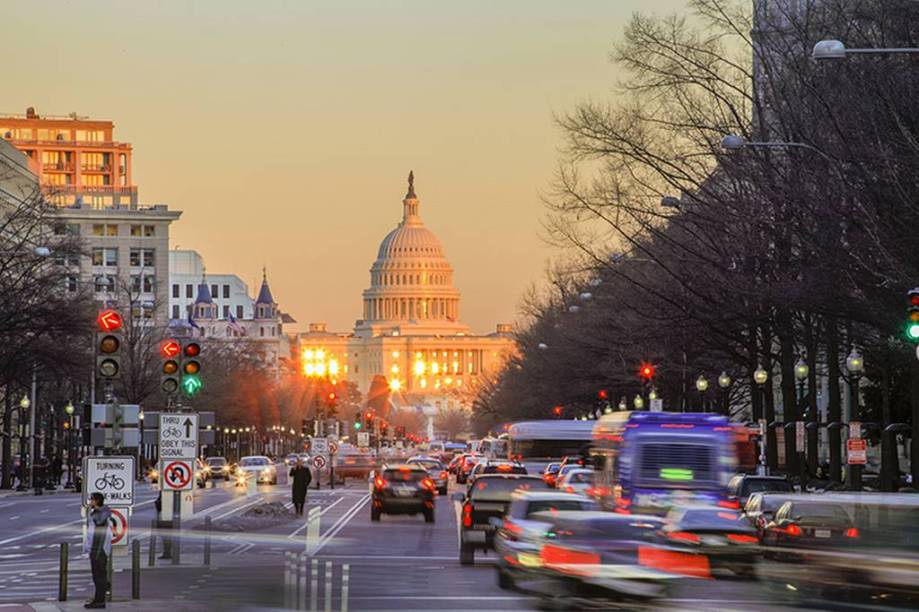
[638, 402]
[855, 365]
[623, 405]
[801, 372]
[24, 404]
[724, 381]
[767, 439]
[68, 410]
[702, 387]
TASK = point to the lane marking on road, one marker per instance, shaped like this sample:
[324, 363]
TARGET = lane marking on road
[235, 510]
[340, 524]
[306, 523]
[441, 597]
[59, 527]
[390, 557]
[13, 518]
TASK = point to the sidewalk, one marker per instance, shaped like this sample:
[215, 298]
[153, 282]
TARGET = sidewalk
[158, 605]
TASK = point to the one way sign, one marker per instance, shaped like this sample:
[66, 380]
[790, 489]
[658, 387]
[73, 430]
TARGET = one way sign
[178, 436]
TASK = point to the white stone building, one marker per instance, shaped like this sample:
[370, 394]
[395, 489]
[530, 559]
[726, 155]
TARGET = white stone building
[229, 292]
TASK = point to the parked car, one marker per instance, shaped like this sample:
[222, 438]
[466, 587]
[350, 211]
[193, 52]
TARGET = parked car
[519, 535]
[723, 537]
[488, 498]
[403, 489]
[259, 467]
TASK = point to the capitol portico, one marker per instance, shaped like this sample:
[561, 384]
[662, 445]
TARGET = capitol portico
[410, 331]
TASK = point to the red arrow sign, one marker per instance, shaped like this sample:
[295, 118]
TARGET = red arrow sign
[109, 320]
[170, 348]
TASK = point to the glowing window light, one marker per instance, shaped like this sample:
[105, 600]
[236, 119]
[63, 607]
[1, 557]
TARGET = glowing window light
[308, 354]
[395, 385]
[320, 369]
[455, 367]
[435, 368]
[424, 383]
[333, 367]
[395, 354]
[310, 369]
[448, 381]
[394, 369]
[419, 368]
[320, 355]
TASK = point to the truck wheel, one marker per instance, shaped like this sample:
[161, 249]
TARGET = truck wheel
[467, 554]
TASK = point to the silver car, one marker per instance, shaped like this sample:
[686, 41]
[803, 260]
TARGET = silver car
[259, 467]
[520, 536]
[436, 469]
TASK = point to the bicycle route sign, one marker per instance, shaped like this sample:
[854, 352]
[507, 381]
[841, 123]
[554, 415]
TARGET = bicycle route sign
[112, 476]
[177, 475]
[178, 437]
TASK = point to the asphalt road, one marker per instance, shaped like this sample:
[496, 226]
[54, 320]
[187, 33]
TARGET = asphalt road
[400, 563]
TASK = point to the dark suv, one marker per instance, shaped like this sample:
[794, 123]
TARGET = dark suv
[488, 498]
[403, 489]
[742, 486]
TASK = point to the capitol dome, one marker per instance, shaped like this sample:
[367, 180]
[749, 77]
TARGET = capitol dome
[411, 281]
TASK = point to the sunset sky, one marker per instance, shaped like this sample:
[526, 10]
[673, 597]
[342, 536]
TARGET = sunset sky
[285, 130]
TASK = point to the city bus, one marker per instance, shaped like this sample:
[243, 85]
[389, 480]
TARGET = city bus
[538, 443]
[648, 461]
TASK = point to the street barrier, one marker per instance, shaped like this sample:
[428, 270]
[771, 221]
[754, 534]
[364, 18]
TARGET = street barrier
[302, 579]
[207, 541]
[312, 529]
[108, 577]
[151, 559]
[64, 571]
[135, 569]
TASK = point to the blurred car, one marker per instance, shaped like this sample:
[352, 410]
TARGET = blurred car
[550, 473]
[218, 467]
[291, 459]
[594, 558]
[353, 462]
[564, 469]
[573, 460]
[202, 473]
[519, 535]
[403, 489]
[488, 498]
[454, 463]
[723, 536]
[436, 469]
[760, 509]
[577, 481]
[806, 522]
[465, 466]
[741, 486]
[259, 467]
[493, 466]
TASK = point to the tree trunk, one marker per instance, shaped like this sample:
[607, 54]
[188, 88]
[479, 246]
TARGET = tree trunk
[813, 433]
[834, 407]
[7, 453]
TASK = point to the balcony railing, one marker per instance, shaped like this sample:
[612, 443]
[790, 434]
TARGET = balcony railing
[95, 168]
[57, 167]
[97, 189]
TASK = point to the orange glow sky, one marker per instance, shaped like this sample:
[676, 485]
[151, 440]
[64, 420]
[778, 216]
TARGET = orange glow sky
[285, 130]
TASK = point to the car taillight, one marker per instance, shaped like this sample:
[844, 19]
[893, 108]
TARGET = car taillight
[569, 489]
[427, 483]
[684, 536]
[379, 483]
[792, 530]
[851, 532]
[742, 539]
[733, 504]
[569, 561]
[467, 515]
[443, 475]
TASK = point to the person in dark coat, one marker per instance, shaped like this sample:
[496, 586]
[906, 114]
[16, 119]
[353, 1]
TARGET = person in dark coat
[300, 478]
[98, 545]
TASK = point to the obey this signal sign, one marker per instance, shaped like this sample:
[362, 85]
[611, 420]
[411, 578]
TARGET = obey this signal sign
[178, 437]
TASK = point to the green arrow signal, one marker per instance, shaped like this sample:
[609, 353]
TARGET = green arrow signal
[191, 384]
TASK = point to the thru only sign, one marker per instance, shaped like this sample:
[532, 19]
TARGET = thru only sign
[178, 437]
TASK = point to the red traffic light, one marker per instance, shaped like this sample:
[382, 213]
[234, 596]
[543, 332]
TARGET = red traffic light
[557, 410]
[646, 371]
[369, 415]
[192, 349]
[109, 320]
[602, 394]
[170, 348]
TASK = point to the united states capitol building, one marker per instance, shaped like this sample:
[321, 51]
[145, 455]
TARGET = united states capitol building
[410, 331]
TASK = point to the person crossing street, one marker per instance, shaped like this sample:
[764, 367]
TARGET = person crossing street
[300, 477]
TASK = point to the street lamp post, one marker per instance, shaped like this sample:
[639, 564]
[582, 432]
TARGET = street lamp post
[835, 49]
[768, 452]
[24, 404]
[623, 405]
[68, 409]
[724, 381]
[801, 372]
[638, 402]
[702, 387]
[855, 364]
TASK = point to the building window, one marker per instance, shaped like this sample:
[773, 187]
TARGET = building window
[71, 283]
[143, 257]
[189, 291]
[214, 291]
[149, 231]
[261, 331]
[175, 309]
[136, 231]
[149, 283]
[239, 311]
[175, 291]
[105, 229]
[226, 292]
[105, 257]
[104, 283]
[226, 311]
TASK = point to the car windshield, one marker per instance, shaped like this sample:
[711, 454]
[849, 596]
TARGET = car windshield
[820, 514]
[581, 478]
[560, 505]
[253, 461]
[428, 464]
[756, 485]
[501, 488]
[216, 461]
[404, 475]
[712, 519]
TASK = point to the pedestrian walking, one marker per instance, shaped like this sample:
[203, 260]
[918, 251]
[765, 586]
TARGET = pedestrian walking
[57, 469]
[300, 478]
[98, 545]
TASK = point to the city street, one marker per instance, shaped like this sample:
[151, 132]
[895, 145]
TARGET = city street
[400, 563]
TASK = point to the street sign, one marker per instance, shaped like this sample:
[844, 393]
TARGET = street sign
[857, 451]
[762, 427]
[657, 405]
[112, 476]
[333, 446]
[363, 439]
[177, 475]
[799, 436]
[178, 436]
[319, 446]
[120, 527]
[319, 462]
[855, 429]
[105, 414]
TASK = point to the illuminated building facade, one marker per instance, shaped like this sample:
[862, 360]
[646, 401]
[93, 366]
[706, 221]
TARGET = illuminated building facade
[410, 331]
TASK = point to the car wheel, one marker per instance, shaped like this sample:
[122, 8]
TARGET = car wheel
[505, 582]
[467, 554]
[375, 514]
[429, 516]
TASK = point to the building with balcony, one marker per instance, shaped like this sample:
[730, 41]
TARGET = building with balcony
[410, 332]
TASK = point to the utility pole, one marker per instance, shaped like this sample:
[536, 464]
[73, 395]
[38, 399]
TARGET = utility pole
[32, 427]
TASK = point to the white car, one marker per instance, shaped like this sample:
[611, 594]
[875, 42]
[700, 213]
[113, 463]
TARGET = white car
[579, 480]
[259, 467]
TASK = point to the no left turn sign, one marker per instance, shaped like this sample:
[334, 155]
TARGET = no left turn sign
[319, 462]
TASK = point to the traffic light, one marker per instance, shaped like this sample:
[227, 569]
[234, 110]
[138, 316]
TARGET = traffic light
[384, 428]
[191, 368]
[304, 427]
[557, 411]
[357, 421]
[332, 402]
[117, 424]
[368, 420]
[108, 344]
[912, 311]
[170, 349]
[646, 372]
